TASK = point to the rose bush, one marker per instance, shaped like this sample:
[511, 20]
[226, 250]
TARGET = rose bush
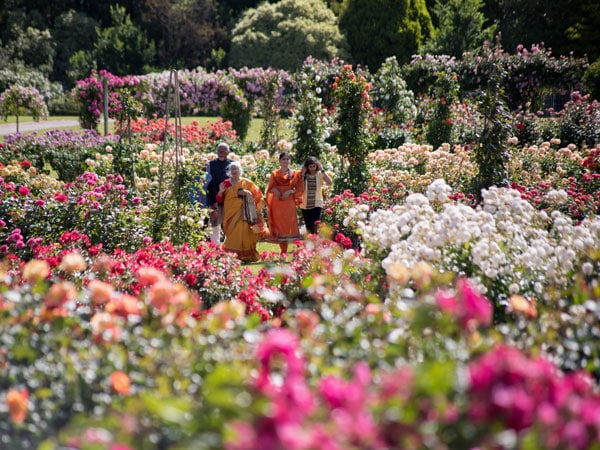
[422, 318]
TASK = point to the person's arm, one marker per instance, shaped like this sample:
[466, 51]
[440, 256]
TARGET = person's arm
[271, 187]
[297, 184]
[222, 190]
[326, 178]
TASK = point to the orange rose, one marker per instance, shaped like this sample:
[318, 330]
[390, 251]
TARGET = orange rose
[17, 404]
[100, 292]
[60, 293]
[120, 382]
[519, 304]
[124, 305]
[149, 276]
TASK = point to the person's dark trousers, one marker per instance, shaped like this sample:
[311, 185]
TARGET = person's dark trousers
[311, 217]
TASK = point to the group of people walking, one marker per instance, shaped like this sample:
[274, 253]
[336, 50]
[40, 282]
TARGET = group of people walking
[237, 203]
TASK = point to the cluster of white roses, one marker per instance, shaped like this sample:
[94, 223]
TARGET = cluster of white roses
[505, 241]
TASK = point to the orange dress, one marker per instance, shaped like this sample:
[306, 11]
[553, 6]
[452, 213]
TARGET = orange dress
[240, 236]
[281, 213]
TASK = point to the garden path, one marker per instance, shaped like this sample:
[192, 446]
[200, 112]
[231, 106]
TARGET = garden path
[10, 128]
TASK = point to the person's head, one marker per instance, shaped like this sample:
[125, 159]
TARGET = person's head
[234, 170]
[222, 151]
[311, 164]
[285, 158]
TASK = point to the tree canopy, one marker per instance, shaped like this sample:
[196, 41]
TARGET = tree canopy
[282, 35]
[377, 29]
[461, 28]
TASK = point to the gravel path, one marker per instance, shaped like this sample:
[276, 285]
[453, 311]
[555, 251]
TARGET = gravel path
[10, 128]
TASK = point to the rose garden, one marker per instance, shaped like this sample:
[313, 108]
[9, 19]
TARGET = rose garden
[451, 301]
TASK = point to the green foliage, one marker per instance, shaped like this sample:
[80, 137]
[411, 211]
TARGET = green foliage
[491, 151]
[377, 29]
[309, 118]
[461, 28]
[73, 32]
[522, 24]
[122, 48]
[351, 94]
[187, 33]
[591, 79]
[269, 133]
[32, 48]
[445, 93]
[283, 34]
[583, 34]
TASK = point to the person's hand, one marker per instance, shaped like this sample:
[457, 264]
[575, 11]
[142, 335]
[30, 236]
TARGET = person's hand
[276, 193]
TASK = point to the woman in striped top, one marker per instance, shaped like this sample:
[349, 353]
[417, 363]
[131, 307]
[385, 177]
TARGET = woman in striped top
[312, 197]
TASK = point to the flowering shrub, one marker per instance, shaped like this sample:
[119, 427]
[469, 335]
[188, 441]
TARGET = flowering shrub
[308, 121]
[64, 150]
[580, 121]
[499, 245]
[101, 208]
[19, 100]
[419, 319]
[89, 92]
[352, 103]
[445, 92]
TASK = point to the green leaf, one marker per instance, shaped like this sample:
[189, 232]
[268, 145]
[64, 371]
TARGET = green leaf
[435, 377]
[172, 410]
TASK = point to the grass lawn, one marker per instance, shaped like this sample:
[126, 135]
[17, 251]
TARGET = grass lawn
[253, 131]
[267, 247]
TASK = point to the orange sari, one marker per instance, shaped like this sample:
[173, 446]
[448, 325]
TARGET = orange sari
[241, 236]
[281, 213]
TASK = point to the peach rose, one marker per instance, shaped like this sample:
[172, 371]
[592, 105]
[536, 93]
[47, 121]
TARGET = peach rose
[100, 292]
[35, 270]
[16, 400]
[72, 262]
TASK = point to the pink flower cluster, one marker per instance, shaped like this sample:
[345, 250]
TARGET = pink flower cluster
[507, 387]
[470, 308]
[289, 424]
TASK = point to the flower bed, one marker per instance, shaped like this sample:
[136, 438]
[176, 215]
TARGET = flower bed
[422, 319]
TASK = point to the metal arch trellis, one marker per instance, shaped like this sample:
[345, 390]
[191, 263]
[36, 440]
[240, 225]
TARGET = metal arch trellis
[174, 156]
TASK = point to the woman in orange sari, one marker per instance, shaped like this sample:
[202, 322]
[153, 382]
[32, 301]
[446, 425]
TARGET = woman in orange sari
[243, 223]
[283, 191]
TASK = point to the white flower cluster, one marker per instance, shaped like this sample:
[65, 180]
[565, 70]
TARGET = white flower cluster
[504, 241]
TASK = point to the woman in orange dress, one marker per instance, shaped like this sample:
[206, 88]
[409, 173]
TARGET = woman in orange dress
[243, 223]
[283, 192]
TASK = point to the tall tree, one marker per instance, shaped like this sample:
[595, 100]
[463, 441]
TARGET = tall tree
[461, 28]
[122, 48]
[377, 29]
[584, 33]
[73, 31]
[185, 31]
[282, 35]
[533, 22]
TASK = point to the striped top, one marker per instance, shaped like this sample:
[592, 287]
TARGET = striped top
[313, 191]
